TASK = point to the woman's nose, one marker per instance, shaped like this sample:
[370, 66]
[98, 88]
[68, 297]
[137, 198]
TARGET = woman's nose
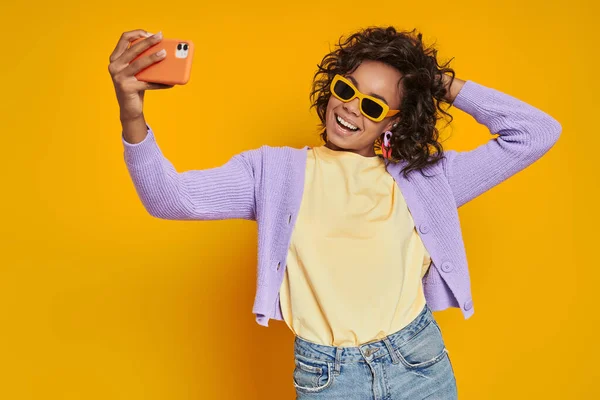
[353, 106]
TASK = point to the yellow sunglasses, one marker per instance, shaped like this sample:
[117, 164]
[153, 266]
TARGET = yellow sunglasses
[371, 107]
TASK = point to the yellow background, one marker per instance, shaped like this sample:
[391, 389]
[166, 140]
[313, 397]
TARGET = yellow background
[98, 300]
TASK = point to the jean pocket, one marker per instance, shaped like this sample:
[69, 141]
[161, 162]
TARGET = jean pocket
[424, 349]
[312, 376]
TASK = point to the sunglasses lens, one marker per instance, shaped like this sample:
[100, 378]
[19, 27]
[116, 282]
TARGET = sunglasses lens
[343, 91]
[371, 108]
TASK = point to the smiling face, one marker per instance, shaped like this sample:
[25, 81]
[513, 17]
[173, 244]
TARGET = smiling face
[373, 78]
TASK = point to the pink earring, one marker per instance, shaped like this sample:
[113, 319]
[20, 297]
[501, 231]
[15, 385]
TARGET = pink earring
[386, 148]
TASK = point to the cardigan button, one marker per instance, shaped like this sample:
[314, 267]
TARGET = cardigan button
[290, 219]
[447, 266]
[468, 305]
[278, 265]
[424, 228]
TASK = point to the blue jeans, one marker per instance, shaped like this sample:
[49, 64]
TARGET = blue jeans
[411, 364]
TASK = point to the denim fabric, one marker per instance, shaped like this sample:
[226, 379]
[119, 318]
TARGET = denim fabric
[410, 364]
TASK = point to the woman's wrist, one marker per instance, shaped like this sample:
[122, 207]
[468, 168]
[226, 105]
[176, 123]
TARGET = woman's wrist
[134, 130]
[453, 89]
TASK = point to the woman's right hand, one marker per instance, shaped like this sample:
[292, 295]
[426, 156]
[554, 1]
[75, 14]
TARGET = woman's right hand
[130, 91]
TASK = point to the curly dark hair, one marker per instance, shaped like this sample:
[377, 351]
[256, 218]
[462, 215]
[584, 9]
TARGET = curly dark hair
[422, 89]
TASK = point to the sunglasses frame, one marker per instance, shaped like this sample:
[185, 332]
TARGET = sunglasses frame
[357, 93]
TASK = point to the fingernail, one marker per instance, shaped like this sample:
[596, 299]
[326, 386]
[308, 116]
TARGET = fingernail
[158, 35]
[161, 53]
[148, 34]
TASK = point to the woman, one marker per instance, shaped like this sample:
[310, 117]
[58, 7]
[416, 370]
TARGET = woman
[356, 249]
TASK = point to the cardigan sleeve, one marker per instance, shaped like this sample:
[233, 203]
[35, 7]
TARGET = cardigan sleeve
[525, 135]
[224, 192]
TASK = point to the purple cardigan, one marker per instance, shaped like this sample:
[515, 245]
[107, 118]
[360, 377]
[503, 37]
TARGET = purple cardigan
[266, 185]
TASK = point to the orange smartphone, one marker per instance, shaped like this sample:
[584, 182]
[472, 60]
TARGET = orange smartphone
[175, 68]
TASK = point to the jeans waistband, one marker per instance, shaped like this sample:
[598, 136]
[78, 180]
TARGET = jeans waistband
[368, 351]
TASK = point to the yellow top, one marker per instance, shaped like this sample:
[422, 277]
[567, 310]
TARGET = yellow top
[355, 261]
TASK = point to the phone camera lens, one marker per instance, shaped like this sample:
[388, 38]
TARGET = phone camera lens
[185, 46]
[179, 46]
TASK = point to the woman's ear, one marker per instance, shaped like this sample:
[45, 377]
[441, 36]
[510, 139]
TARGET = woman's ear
[390, 125]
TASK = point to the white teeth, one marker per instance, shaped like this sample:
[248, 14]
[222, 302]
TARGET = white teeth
[345, 123]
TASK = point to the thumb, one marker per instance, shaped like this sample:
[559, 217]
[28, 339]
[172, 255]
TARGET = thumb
[156, 86]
